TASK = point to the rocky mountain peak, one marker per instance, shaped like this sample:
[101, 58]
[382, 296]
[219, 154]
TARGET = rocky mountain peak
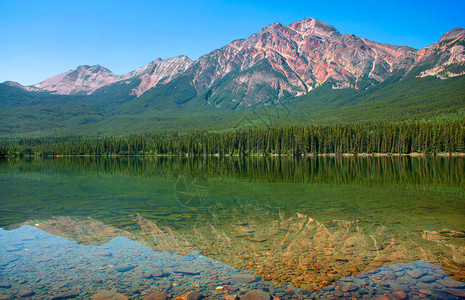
[93, 69]
[271, 28]
[157, 72]
[453, 34]
[159, 61]
[315, 27]
[179, 59]
[183, 57]
[448, 55]
[82, 80]
[86, 79]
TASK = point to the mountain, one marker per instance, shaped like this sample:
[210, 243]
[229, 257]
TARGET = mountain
[446, 58]
[87, 79]
[292, 60]
[321, 75]
[83, 80]
[285, 61]
[22, 87]
[157, 72]
[276, 63]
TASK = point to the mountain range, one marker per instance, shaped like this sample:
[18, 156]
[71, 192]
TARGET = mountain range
[279, 65]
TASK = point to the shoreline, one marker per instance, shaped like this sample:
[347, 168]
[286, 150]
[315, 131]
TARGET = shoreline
[415, 154]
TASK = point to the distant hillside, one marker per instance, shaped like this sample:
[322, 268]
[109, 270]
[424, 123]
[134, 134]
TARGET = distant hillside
[403, 100]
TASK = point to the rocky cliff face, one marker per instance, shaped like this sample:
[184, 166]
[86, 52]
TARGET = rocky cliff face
[158, 72]
[276, 62]
[446, 58]
[294, 60]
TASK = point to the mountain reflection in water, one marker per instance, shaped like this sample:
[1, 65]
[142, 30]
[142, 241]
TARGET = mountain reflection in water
[308, 222]
[38, 265]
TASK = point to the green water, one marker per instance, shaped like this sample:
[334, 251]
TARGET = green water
[233, 208]
[414, 191]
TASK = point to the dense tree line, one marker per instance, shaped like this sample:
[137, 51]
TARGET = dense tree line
[420, 137]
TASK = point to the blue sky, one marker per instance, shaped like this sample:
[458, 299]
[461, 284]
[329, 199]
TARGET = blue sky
[40, 39]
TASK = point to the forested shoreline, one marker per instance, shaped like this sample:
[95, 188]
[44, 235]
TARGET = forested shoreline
[355, 138]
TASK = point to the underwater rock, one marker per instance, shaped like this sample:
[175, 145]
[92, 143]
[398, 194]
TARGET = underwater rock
[190, 296]
[186, 272]
[25, 293]
[425, 292]
[458, 293]
[349, 287]
[66, 295]
[416, 274]
[156, 296]
[107, 295]
[399, 295]
[256, 295]
[451, 283]
[243, 278]
[124, 268]
[427, 279]
[156, 273]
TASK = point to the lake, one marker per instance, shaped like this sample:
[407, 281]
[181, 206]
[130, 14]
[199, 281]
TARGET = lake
[293, 228]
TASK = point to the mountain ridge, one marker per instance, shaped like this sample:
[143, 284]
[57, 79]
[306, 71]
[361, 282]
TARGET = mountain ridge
[276, 62]
[317, 73]
[87, 79]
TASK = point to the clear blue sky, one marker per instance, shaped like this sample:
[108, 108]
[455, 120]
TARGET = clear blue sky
[40, 39]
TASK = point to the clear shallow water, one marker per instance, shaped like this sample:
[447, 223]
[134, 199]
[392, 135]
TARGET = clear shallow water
[38, 265]
[42, 266]
[307, 222]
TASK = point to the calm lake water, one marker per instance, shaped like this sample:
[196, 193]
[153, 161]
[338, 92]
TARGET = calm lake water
[301, 224]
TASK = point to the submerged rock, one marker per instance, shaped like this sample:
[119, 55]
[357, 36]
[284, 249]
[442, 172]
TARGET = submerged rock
[124, 268]
[25, 293]
[244, 278]
[156, 273]
[399, 295]
[108, 295]
[416, 274]
[190, 296]
[451, 283]
[156, 296]
[256, 295]
[66, 295]
[458, 293]
[349, 287]
[186, 272]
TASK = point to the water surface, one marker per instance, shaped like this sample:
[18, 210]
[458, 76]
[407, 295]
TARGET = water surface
[303, 221]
